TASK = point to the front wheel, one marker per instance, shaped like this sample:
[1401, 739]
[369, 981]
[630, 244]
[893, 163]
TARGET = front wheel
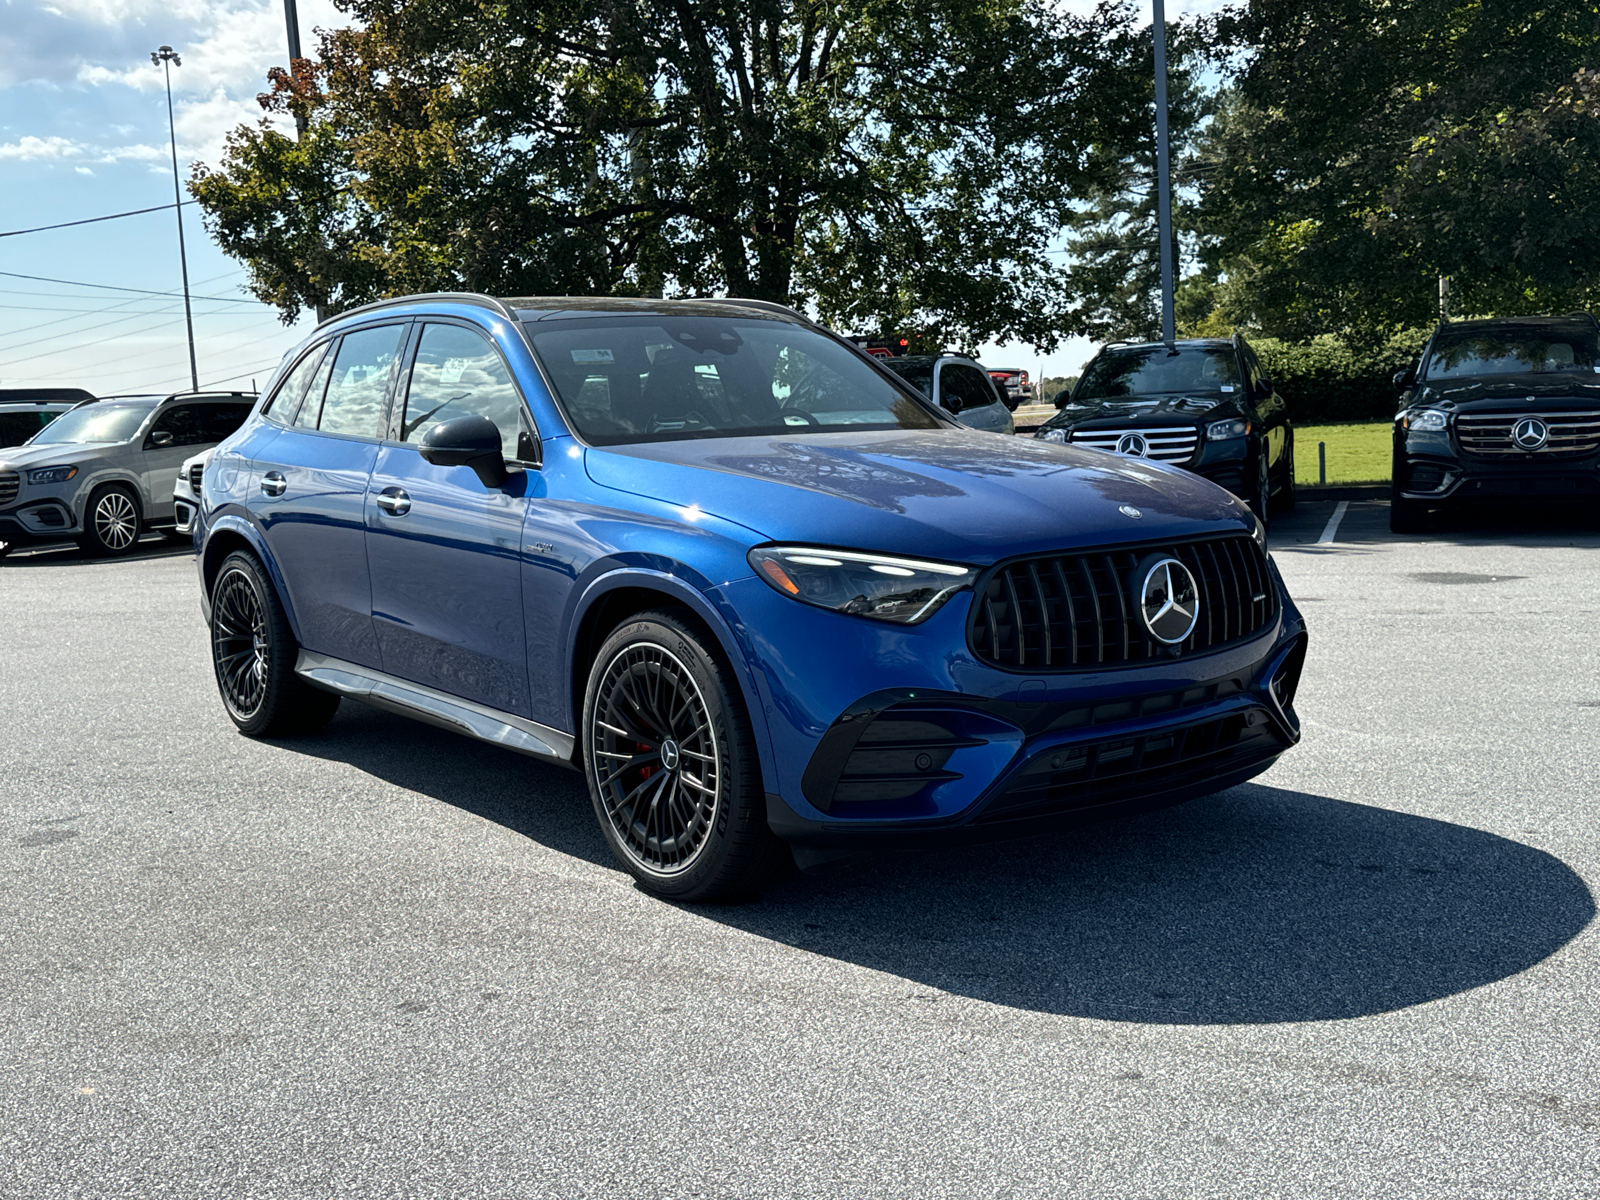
[111, 523]
[671, 764]
[253, 652]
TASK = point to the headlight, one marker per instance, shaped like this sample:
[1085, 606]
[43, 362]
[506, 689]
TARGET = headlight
[1221, 431]
[901, 590]
[1051, 435]
[1425, 420]
[52, 474]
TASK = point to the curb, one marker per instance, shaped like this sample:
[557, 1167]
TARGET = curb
[1343, 491]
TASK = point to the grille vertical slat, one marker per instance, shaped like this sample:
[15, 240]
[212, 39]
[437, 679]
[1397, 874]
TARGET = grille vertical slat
[1038, 613]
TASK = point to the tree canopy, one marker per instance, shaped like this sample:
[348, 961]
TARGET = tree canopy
[1368, 147]
[896, 163]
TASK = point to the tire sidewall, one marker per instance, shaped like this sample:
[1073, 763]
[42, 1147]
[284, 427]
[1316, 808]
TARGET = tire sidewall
[662, 630]
[245, 565]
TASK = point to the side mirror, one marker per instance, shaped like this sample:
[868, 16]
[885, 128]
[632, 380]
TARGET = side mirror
[951, 401]
[1266, 385]
[467, 442]
[161, 438]
[1404, 378]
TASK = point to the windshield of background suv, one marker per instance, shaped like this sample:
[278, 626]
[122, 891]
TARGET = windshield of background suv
[94, 423]
[661, 378]
[1513, 352]
[1155, 369]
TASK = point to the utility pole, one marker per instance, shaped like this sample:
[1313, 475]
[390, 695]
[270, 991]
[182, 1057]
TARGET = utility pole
[1444, 299]
[167, 58]
[291, 18]
[1163, 172]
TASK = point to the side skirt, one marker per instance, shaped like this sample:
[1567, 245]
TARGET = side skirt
[436, 708]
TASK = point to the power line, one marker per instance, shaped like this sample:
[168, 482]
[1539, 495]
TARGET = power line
[113, 288]
[133, 212]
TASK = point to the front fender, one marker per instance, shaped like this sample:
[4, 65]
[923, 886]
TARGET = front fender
[709, 607]
[222, 531]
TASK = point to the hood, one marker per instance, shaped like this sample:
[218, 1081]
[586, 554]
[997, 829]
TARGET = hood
[13, 458]
[1189, 408]
[1500, 390]
[966, 496]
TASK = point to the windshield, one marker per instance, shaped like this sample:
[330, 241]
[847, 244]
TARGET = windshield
[918, 375]
[1155, 369]
[1513, 352]
[661, 378]
[94, 423]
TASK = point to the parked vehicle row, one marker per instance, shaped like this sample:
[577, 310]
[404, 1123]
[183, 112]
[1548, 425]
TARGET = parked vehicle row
[771, 599]
[102, 472]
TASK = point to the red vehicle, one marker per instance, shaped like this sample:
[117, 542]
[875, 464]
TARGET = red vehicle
[1013, 385]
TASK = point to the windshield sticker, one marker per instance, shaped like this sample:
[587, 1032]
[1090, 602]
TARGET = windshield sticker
[1227, 387]
[452, 369]
[592, 356]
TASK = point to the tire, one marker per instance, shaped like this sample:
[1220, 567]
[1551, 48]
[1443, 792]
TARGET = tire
[1287, 494]
[662, 716]
[111, 522]
[1407, 516]
[253, 654]
[1260, 501]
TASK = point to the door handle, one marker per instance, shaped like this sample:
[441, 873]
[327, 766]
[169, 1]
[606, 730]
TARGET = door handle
[394, 501]
[272, 484]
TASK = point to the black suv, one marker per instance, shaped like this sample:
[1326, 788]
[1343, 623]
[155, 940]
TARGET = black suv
[1497, 410]
[1204, 404]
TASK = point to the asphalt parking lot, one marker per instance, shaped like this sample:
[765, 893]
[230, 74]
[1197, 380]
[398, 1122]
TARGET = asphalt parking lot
[387, 962]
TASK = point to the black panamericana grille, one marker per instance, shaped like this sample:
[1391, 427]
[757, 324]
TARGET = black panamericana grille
[195, 472]
[10, 484]
[1060, 612]
[1095, 773]
[1572, 434]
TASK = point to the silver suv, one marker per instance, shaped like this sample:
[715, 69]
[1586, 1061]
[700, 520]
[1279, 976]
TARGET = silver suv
[102, 474]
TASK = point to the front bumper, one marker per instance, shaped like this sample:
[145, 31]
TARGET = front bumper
[897, 736]
[1428, 468]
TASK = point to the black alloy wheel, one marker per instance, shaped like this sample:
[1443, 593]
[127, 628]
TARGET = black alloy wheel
[253, 652]
[671, 764]
[111, 522]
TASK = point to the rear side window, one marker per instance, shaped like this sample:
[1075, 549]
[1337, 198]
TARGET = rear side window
[286, 400]
[18, 427]
[459, 373]
[353, 402]
[219, 420]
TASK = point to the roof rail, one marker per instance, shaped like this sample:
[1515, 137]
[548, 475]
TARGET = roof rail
[478, 298]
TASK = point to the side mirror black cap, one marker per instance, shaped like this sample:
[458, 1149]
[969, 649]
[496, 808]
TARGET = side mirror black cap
[466, 442]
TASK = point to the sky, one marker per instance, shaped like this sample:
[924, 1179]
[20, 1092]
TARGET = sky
[83, 133]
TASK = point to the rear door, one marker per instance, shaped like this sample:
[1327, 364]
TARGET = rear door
[445, 550]
[311, 486]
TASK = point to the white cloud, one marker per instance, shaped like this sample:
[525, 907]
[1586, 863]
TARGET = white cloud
[62, 149]
[83, 170]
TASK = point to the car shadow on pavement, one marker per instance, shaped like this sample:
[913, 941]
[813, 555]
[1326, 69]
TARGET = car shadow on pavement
[1514, 522]
[1254, 905]
[66, 554]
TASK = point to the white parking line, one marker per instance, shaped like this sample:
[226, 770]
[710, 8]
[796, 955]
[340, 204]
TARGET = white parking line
[1333, 524]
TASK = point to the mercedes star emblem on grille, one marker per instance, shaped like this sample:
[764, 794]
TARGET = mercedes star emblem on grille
[1134, 444]
[1530, 433]
[1169, 599]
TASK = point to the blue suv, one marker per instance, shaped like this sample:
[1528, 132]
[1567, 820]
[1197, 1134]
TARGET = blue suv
[763, 593]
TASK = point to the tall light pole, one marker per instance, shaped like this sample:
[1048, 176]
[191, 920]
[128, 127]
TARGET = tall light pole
[167, 58]
[1163, 172]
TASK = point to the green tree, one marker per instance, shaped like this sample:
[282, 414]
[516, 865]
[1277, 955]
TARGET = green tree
[1369, 147]
[897, 164]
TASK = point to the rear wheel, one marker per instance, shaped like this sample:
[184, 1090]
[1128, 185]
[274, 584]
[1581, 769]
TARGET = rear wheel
[111, 522]
[1287, 491]
[253, 652]
[1260, 499]
[671, 763]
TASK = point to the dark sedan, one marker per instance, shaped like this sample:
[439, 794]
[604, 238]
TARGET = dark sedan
[1203, 404]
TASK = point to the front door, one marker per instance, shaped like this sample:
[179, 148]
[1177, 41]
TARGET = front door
[445, 551]
[311, 482]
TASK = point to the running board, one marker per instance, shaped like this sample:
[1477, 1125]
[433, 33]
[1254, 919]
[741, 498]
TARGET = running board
[435, 708]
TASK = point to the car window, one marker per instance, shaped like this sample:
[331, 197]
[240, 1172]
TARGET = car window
[94, 423]
[353, 402]
[285, 402]
[182, 421]
[459, 373]
[310, 409]
[219, 420]
[1525, 351]
[918, 375]
[658, 378]
[1150, 370]
[971, 384]
[18, 427]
